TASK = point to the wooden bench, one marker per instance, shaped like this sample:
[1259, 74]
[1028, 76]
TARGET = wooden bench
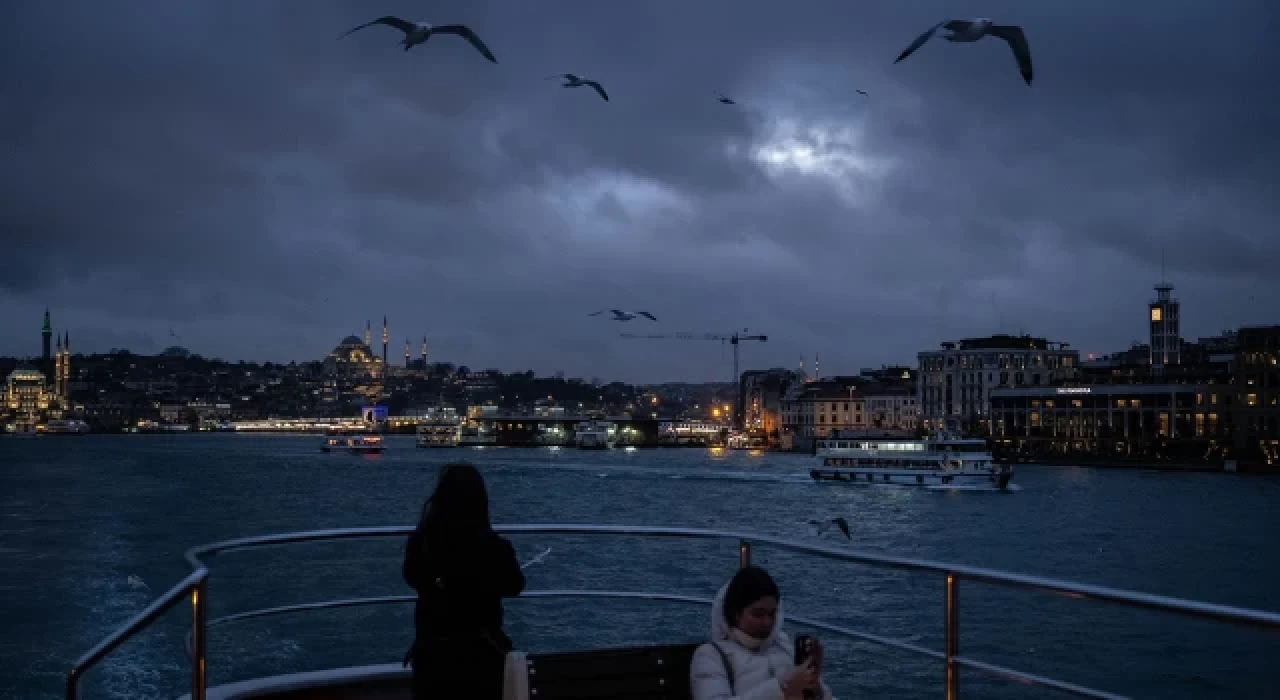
[632, 673]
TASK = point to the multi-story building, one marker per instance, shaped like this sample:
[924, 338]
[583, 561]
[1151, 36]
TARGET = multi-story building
[814, 409]
[25, 393]
[760, 396]
[955, 382]
[891, 407]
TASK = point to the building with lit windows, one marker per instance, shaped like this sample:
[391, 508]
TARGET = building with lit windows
[956, 381]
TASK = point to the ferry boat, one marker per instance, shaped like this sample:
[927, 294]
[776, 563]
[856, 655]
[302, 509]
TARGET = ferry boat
[476, 435]
[595, 435]
[944, 461]
[65, 427]
[656, 671]
[355, 444]
[438, 434]
[22, 429]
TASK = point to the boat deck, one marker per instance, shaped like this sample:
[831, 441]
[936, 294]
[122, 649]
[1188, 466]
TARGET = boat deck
[630, 673]
[634, 673]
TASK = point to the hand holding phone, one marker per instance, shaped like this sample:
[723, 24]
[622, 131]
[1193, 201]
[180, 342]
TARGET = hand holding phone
[807, 652]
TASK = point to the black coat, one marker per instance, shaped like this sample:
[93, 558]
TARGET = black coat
[460, 647]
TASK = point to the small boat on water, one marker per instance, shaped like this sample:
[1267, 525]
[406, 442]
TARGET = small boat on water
[355, 444]
[942, 462]
[65, 427]
[22, 429]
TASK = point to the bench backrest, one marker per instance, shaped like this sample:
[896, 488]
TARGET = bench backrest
[633, 673]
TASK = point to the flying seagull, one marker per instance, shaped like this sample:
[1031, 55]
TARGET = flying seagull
[623, 315]
[971, 30]
[862, 92]
[838, 522]
[536, 559]
[418, 32]
[571, 80]
[726, 101]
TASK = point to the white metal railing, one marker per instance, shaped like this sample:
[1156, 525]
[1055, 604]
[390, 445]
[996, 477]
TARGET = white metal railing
[195, 586]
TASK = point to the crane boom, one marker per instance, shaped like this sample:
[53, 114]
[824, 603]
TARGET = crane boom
[733, 339]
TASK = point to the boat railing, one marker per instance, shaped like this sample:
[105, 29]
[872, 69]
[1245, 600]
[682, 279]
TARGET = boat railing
[194, 586]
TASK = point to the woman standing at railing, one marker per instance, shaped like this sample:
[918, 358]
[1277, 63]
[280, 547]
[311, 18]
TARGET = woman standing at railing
[749, 657]
[462, 570]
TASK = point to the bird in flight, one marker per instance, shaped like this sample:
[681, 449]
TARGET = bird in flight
[726, 101]
[571, 80]
[838, 522]
[418, 32]
[971, 30]
[624, 316]
[862, 92]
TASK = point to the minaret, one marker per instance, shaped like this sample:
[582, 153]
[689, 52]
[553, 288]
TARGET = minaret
[424, 353]
[385, 339]
[406, 353]
[46, 337]
[816, 374]
[368, 334]
[57, 367]
[66, 366]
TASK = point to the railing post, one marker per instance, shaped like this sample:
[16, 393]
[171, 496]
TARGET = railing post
[744, 554]
[953, 635]
[199, 628]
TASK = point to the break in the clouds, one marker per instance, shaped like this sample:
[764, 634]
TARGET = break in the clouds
[232, 172]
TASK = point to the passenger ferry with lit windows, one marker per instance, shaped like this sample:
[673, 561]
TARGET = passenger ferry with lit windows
[939, 462]
[355, 444]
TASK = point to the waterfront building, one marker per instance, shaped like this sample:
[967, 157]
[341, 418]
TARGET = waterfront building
[760, 395]
[956, 381]
[26, 394]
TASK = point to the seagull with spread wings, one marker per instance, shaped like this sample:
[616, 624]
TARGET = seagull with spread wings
[623, 315]
[571, 80]
[971, 30]
[418, 32]
[838, 522]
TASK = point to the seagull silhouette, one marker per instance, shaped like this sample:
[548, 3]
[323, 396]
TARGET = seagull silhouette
[571, 80]
[418, 32]
[838, 522]
[970, 30]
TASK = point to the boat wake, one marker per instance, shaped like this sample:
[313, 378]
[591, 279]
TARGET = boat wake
[976, 488]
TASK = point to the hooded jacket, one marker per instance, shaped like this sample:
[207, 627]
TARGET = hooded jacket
[756, 673]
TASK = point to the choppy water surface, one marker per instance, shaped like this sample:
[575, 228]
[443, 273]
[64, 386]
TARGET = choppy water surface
[91, 528]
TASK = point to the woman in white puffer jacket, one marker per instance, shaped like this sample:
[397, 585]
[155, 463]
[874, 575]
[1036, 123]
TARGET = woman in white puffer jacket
[749, 657]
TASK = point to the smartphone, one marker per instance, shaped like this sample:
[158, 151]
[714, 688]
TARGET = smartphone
[804, 652]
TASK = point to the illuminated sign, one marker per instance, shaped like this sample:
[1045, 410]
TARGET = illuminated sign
[1074, 390]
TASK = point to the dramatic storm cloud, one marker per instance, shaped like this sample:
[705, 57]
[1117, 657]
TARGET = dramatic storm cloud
[233, 172]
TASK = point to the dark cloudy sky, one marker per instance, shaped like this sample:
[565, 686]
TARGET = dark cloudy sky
[230, 171]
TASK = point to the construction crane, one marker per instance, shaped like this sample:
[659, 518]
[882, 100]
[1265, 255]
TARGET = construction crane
[733, 339]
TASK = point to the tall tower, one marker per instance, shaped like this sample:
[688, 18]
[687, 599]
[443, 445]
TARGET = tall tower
[368, 334]
[1166, 342]
[424, 353]
[46, 337]
[57, 367]
[385, 339]
[66, 367]
[406, 353]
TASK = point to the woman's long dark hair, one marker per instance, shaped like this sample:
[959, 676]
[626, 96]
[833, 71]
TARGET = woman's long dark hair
[458, 510]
